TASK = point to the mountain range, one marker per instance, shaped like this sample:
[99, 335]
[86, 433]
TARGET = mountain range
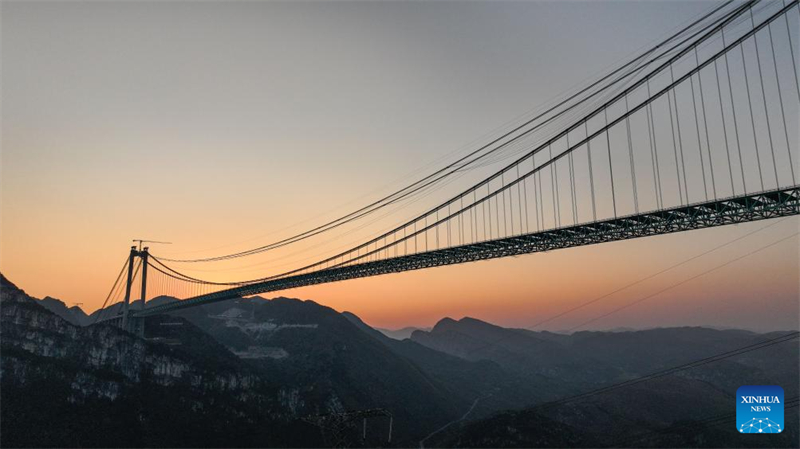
[259, 372]
[74, 314]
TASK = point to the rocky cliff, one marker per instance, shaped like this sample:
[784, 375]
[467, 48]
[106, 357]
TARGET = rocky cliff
[118, 389]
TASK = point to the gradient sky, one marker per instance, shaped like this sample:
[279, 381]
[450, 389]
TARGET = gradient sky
[223, 125]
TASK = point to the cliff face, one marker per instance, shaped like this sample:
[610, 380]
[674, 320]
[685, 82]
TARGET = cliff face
[117, 389]
[243, 380]
[28, 327]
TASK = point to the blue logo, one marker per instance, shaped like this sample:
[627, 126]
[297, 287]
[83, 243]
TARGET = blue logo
[759, 409]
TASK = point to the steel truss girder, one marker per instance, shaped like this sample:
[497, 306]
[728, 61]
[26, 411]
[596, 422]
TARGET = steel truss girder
[740, 209]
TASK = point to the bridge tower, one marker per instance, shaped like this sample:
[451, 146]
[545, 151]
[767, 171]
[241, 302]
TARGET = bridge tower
[131, 324]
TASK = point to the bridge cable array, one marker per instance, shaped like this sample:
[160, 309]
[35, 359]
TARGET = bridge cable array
[459, 164]
[651, 140]
[616, 76]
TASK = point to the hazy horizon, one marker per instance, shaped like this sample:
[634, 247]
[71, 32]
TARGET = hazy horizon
[432, 324]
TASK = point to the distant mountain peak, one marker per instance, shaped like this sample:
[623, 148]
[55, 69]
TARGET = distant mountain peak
[444, 324]
[281, 298]
[474, 321]
[74, 314]
[464, 324]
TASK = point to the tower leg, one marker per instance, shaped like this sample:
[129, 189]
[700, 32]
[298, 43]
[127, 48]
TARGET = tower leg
[128, 289]
[143, 254]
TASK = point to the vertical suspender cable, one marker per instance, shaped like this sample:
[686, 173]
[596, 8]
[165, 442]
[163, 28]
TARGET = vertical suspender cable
[752, 116]
[460, 224]
[553, 187]
[657, 170]
[674, 144]
[764, 98]
[630, 157]
[591, 170]
[725, 130]
[523, 200]
[485, 215]
[791, 51]
[554, 167]
[705, 124]
[571, 168]
[733, 110]
[699, 144]
[610, 165]
[680, 136]
[510, 206]
[780, 100]
[537, 194]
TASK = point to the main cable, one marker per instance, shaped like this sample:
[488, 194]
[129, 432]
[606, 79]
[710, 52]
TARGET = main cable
[440, 174]
[730, 17]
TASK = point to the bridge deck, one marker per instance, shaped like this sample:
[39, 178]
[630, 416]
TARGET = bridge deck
[739, 209]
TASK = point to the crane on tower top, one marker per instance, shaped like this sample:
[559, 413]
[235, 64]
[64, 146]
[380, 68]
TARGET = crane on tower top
[141, 241]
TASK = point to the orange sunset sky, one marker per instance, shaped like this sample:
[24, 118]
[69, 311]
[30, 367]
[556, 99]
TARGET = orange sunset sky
[220, 126]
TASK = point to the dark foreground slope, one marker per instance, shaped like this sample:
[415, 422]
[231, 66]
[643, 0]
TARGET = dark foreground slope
[253, 372]
[631, 421]
[251, 377]
[67, 386]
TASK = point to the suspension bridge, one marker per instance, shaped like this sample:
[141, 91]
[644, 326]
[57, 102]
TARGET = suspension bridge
[690, 133]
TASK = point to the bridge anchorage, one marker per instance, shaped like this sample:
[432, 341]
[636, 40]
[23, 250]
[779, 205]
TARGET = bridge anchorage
[697, 132]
